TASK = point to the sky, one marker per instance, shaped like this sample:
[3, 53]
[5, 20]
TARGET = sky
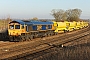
[25, 9]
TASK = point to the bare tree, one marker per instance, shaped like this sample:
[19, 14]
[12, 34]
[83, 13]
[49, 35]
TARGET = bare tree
[73, 14]
[58, 14]
[69, 15]
[35, 18]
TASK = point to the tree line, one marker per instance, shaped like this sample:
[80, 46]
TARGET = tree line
[66, 15]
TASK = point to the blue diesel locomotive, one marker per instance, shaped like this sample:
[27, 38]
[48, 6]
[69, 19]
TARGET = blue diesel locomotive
[20, 30]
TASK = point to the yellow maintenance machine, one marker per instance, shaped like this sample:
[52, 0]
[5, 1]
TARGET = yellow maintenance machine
[85, 24]
[72, 26]
[78, 26]
[61, 26]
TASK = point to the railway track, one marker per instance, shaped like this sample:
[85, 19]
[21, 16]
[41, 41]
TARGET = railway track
[24, 49]
[5, 43]
[53, 51]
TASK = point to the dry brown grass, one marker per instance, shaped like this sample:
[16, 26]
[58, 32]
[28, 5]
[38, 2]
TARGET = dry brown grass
[78, 52]
[4, 24]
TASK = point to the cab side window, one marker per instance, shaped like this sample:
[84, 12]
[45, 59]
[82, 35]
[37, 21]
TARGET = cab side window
[22, 26]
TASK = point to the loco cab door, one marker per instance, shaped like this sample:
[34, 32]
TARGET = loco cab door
[27, 28]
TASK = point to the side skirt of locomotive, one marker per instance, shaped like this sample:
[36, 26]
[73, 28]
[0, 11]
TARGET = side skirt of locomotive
[31, 35]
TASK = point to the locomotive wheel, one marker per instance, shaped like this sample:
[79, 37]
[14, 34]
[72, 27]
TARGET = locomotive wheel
[51, 34]
[56, 33]
[22, 38]
[11, 38]
[45, 35]
[27, 38]
[31, 37]
[48, 35]
[15, 39]
[65, 31]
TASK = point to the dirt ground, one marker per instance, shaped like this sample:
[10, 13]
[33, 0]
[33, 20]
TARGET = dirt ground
[77, 52]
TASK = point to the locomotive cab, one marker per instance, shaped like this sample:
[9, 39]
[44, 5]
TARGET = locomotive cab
[15, 28]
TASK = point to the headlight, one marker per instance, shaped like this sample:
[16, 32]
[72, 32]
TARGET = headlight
[9, 33]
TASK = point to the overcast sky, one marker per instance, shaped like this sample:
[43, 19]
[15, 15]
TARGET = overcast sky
[41, 8]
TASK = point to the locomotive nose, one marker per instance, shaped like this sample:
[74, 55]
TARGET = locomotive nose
[14, 33]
